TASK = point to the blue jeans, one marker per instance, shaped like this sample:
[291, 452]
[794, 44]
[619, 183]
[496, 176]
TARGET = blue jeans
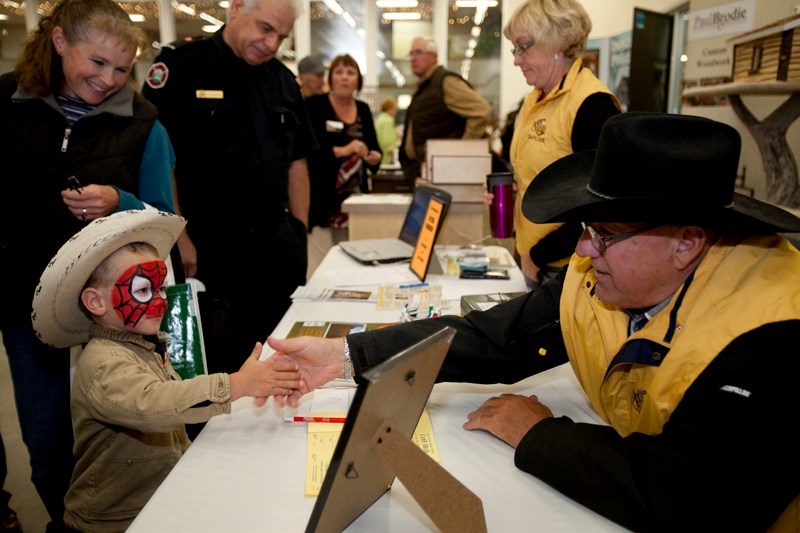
[41, 379]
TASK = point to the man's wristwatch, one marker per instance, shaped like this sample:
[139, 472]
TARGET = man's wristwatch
[348, 363]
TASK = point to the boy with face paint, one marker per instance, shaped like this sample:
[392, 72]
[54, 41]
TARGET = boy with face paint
[128, 405]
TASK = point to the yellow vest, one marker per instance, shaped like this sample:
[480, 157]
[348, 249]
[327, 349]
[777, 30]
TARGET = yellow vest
[542, 135]
[736, 288]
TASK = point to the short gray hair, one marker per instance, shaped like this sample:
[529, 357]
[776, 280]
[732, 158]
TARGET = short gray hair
[428, 43]
[294, 5]
[562, 24]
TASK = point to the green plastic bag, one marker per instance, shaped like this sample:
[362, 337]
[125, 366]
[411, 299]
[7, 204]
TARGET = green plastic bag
[182, 332]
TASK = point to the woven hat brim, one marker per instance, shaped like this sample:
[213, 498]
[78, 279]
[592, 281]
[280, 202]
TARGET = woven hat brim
[56, 315]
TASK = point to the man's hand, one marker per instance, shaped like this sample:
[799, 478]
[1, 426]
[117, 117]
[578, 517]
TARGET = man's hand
[508, 416]
[320, 360]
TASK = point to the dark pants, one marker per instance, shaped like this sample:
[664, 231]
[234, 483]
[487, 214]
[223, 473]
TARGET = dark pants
[249, 280]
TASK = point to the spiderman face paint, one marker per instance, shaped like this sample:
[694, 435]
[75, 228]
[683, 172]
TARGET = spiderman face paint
[140, 292]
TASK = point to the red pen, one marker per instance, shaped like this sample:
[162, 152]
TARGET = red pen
[333, 419]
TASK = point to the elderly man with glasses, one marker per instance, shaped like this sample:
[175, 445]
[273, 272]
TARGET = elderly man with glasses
[679, 313]
[445, 106]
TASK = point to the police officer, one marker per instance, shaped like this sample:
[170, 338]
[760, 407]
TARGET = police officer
[239, 127]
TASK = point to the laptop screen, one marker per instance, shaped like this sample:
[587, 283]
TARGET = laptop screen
[415, 215]
[423, 251]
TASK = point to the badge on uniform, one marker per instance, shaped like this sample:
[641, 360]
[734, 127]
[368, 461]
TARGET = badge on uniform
[209, 94]
[157, 75]
[334, 125]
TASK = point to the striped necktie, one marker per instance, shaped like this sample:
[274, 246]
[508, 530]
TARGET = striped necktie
[637, 322]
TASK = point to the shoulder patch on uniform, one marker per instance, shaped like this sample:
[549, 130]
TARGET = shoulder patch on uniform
[157, 75]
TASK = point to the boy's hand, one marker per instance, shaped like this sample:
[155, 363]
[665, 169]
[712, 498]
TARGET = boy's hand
[262, 379]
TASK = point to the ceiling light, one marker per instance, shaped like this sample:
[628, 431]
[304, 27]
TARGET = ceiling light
[334, 6]
[210, 28]
[397, 15]
[383, 4]
[476, 3]
[209, 18]
[135, 17]
[184, 8]
[224, 4]
[3, 17]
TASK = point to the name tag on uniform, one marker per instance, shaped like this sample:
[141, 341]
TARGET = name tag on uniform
[334, 125]
[209, 94]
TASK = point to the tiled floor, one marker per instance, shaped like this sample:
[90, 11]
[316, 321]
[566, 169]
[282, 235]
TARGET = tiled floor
[24, 499]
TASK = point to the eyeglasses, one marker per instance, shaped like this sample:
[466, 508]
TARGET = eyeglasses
[601, 242]
[520, 49]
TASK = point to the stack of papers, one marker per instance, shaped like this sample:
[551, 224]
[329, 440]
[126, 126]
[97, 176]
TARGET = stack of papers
[323, 437]
[305, 293]
[370, 276]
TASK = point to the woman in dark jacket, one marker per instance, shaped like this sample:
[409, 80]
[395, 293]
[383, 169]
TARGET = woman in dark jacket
[348, 150]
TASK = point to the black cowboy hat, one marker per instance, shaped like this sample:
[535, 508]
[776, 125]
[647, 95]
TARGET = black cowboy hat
[654, 168]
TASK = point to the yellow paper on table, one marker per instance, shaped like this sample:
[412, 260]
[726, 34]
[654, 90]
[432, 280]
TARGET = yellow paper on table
[322, 439]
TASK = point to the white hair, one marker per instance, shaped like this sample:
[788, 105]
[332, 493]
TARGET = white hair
[428, 43]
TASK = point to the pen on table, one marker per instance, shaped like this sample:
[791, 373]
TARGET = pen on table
[413, 285]
[333, 419]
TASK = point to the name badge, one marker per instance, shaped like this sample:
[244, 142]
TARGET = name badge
[209, 94]
[334, 125]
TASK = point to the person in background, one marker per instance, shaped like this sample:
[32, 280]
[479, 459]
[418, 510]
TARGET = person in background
[563, 114]
[444, 106]
[311, 76]
[386, 130]
[348, 150]
[77, 142]
[241, 134]
[106, 289]
[9, 523]
[679, 314]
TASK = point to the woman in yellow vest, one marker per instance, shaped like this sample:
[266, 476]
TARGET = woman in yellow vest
[563, 114]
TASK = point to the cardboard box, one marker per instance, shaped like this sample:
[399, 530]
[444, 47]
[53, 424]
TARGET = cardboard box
[463, 192]
[459, 161]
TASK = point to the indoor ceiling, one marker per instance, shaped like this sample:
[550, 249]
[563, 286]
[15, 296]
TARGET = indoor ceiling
[189, 14]
[474, 35]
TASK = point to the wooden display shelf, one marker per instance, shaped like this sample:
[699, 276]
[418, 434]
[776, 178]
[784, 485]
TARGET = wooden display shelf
[783, 187]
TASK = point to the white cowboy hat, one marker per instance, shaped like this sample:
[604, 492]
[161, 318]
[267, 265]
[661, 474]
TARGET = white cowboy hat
[56, 316]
